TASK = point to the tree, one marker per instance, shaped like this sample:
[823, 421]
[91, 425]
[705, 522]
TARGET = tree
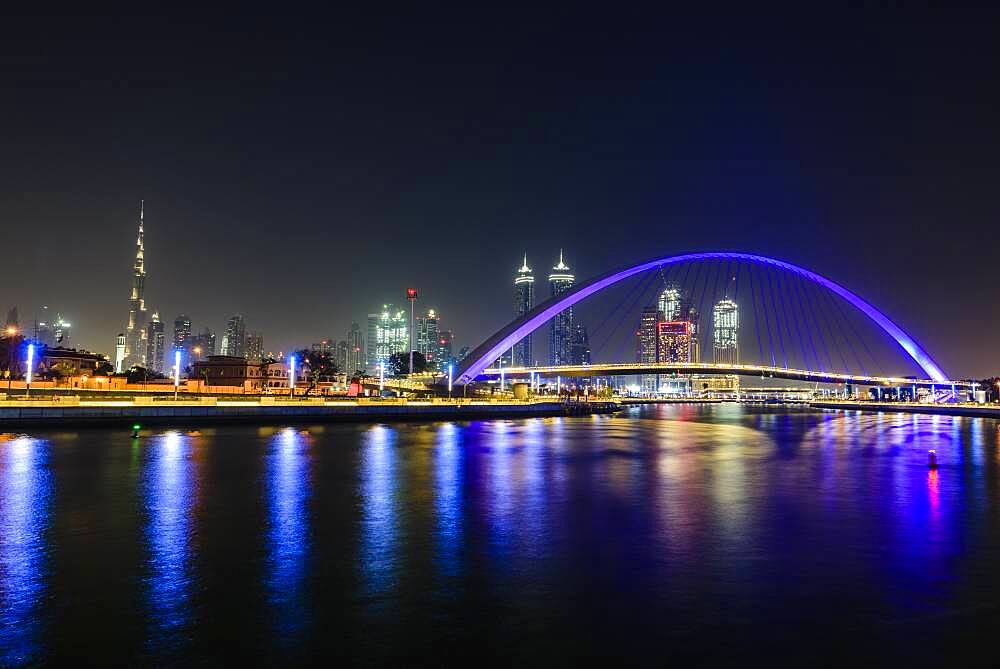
[399, 363]
[104, 368]
[321, 366]
[139, 374]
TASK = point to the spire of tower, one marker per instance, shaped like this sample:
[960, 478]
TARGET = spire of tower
[561, 266]
[524, 268]
[140, 249]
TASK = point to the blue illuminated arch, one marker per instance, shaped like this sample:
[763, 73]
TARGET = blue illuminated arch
[486, 353]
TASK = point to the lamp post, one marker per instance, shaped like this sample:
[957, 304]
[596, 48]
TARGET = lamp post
[177, 373]
[291, 376]
[411, 295]
[451, 370]
[31, 366]
[381, 377]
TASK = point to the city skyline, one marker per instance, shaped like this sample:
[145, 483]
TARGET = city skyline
[686, 153]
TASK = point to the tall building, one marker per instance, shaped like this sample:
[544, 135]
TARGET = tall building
[254, 348]
[356, 355]
[120, 353]
[647, 345]
[674, 341]
[202, 345]
[726, 332]
[182, 334]
[135, 332]
[444, 355]
[154, 344]
[524, 301]
[561, 325]
[427, 337]
[234, 340]
[670, 302]
[340, 356]
[388, 333]
[580, 348]
[60, 331]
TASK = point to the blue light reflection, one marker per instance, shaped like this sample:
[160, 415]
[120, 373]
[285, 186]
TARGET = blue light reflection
[288, 530]
[25, 502]
[379, 559]
[169, 494]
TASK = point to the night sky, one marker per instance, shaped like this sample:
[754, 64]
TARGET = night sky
[304, 170]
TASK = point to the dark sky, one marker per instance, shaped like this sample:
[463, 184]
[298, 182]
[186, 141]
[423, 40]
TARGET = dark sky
[303, 170]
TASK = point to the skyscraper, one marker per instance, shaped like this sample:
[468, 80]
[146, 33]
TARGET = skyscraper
[524, 301]
[726, 332]
[561, 326]
[674, 341]
[444, 355]
[182, 334]
[340, 356]
[202, 345]
[580, 347]
[135, 332]
[154, 344]
[234, 339]
[670, 302]
[356, 355]
[646, 345]
[254, 348]
[388, 333]
[427, 337]
[120, 353]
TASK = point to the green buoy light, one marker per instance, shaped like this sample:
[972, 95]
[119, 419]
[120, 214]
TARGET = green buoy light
[135, 431]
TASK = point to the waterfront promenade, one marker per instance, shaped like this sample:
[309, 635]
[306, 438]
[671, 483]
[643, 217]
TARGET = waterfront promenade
[970, 410]
[73, 410]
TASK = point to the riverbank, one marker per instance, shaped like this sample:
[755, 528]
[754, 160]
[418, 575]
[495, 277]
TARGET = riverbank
[672, 400]
[970, 410]
[149, 411]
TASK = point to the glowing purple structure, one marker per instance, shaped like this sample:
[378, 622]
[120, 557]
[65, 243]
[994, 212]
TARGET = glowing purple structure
[487, 352]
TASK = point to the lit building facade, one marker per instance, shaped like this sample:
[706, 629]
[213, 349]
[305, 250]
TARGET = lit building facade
[670, 302]
[234, 338]
[444, 354]
[726, 332]
[120, 353]
[647, 345]
[202, 345]
[427, 337]
[254, 347]
[561, 326]
[674, 341]
[356, 354]
[155, 344]
[579, 353]
[388, 333]
[524, 301]
[135, 331]
[182, 334]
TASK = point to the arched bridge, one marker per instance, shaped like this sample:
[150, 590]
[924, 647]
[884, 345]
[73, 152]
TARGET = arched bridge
[486, 354]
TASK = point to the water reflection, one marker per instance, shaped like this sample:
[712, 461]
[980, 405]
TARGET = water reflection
[25, 500]
[448, 499]
[379, 550]
[169, 494]
[288, 530]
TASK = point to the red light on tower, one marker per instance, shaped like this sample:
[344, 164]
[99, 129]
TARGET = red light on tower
[411, 293]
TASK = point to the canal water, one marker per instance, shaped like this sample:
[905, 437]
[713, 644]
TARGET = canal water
[703, 534]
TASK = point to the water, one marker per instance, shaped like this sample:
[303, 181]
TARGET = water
[712, 535]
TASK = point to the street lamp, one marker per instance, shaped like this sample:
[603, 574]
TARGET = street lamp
[451, 369]
[31, 366]
[381, 377]
[177, 373]
[291, 376]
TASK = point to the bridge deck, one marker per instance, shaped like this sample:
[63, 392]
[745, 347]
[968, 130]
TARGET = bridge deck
[634, 368]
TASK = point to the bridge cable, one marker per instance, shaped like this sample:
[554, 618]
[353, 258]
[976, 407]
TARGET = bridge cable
[637, 291]
[753, 310]
[807, 288]
[864, 343]
[797, 285]
[647, 282]
[833, 332]
[777, 324]
[786, 309]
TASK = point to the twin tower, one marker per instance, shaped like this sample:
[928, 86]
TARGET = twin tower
[567, 339]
